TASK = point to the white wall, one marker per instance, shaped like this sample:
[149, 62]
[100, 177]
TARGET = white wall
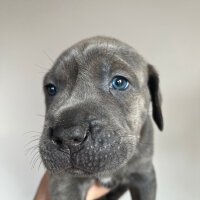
[166, 33]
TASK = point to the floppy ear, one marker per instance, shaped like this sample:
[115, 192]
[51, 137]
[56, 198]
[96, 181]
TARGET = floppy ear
[153, 84]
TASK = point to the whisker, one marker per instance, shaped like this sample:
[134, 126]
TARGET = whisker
[34, 136]
[52, 61]
[28, 132]
[33, 165]
[36, 160]
[41, 67]
[37, 139]
[39, 164]
[31, 149]
[33, 158]
[40, 115]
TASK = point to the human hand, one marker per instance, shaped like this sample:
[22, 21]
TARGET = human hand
[94, 192]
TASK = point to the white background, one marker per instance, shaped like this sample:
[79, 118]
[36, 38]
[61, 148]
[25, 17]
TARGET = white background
[166, 33]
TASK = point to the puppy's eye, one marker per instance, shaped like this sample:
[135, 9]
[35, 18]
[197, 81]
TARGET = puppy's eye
[119, 83]
[51, 89]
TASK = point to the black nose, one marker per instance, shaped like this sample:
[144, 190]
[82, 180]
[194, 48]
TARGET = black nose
[71, 136]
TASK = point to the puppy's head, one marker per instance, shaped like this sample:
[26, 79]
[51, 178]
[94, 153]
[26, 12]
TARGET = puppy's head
[97, 99]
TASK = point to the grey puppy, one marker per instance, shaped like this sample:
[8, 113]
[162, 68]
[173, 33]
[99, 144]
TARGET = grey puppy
[97, 123]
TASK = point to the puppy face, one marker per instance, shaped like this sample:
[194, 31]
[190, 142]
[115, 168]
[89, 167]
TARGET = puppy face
[97, 99]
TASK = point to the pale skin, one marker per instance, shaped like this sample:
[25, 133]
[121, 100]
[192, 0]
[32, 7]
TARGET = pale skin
[94, 192]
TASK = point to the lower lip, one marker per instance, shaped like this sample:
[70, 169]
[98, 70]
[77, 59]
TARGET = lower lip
[78, 171]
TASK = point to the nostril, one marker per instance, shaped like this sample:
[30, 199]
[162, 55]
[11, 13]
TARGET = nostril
[68, 137]
[58, 141]
[50, 133]
[76, 140]
[54, 139]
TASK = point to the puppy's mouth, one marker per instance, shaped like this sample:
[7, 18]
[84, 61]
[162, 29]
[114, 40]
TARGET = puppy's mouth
[79, 172]
[104, 153]
[59, 161]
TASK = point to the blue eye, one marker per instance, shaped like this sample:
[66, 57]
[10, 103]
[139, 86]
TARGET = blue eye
[51, 89]
[120, 83]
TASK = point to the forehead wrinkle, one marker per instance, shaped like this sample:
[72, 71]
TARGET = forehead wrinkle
[98, 54]
[121, 65]
[99, 50]
[79, 57]
[105, 46]
[137, 71]
[119, 59]
[72, 58]
[66, 68]
[69, 55]
[57, 72]
[62, 70]
[77, 98]
[114, 53]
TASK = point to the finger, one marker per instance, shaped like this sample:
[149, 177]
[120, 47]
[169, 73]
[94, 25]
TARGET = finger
[42, 192]
[96, 191]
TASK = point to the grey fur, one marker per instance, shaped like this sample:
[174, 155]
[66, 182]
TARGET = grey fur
[118, 136]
